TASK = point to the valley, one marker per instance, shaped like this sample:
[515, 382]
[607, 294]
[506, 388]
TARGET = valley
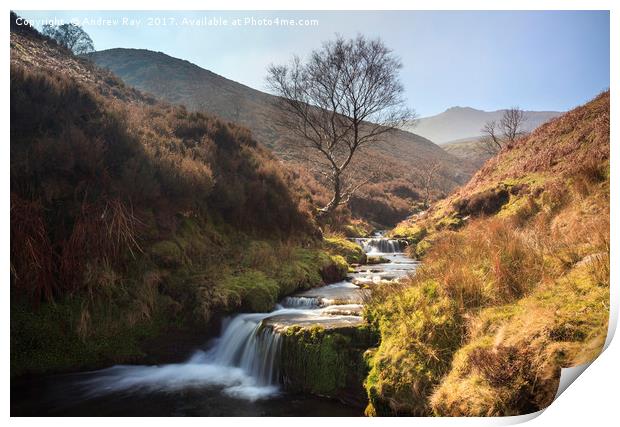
[173, 255]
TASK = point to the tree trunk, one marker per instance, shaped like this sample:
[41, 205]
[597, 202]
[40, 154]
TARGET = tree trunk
[335, 201]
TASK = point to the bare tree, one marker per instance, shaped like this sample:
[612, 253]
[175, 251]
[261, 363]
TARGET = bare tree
[499, 135]
[346, 96]
[428, 172]
[71, 36]
[490, 140]
[511, 124]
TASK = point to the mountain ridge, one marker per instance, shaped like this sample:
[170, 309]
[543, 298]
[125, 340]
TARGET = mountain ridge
[457, 124]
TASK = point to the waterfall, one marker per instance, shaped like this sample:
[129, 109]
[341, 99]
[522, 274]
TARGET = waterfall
[379, 245]
[246, 344]
[243, 363]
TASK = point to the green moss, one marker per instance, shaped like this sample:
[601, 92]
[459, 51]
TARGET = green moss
[357, 229]
[520, 207]
[335, 269]
[420, 330]
[352, 252]
[412, 233]
[297, 275]
[308, 268]
[449, 223]
[422, 247]
[257, 292]
[326, 362]
[265, 278]
[533, 180]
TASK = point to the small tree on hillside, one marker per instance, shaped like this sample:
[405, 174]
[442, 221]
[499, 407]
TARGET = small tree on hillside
[71, 36]
[346, 96]
[499, 135]
[428, 173]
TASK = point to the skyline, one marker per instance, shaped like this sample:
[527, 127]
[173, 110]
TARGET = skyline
[541, 60]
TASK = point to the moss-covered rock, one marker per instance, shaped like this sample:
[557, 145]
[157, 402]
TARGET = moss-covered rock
[327, 362]
[350, 251]
[375, 259]
[258, 293]
[412, 233]
[335, 269]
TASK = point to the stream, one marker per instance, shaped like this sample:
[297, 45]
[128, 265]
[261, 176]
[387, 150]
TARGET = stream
[235, 374]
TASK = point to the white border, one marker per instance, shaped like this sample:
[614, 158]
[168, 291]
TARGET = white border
[591, 400]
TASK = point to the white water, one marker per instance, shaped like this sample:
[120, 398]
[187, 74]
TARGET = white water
[243, 361]
[197, 372]
[379, 245]
[245, 344]
[301, 302]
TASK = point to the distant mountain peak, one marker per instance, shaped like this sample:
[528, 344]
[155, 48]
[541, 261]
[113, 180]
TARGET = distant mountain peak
[458, 108]
[460, 123]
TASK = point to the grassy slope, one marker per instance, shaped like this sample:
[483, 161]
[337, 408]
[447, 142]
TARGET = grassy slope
[131, 218]
[514, 284]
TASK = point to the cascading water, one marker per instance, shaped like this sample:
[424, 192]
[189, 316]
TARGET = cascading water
[380, 245]
[301, 302]
[245, 343]
[243, 362]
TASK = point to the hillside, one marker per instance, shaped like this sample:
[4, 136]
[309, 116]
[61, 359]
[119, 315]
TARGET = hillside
[457, 123]
[469, 150]
[399, 160]
[133, 219]
[514, 283]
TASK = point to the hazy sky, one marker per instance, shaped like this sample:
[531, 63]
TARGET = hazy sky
[551, 60]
